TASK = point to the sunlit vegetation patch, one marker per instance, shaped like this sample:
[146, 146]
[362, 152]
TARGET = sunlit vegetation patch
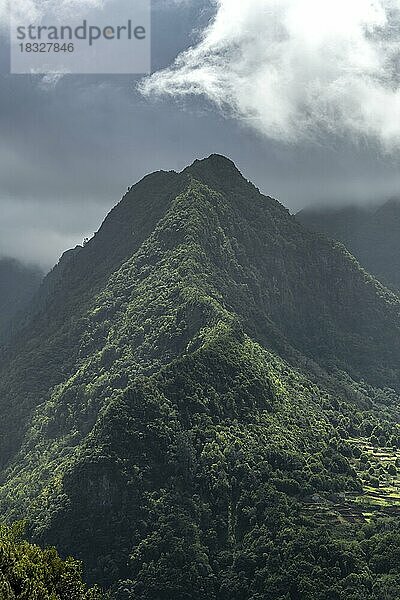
[28, 572]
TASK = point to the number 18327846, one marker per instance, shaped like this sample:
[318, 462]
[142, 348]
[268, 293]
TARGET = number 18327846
[46, 47]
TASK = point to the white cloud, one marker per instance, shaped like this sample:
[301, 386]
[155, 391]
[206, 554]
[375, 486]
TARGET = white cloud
[293, 68]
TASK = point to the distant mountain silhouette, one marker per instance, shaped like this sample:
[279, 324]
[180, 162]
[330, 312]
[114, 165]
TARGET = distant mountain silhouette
[373, 236]
[18, 284]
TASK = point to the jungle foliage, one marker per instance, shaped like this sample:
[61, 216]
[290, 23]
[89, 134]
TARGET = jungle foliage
[29, 573]
[189, 404]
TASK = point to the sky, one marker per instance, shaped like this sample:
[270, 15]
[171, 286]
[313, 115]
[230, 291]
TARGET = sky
[305, 101]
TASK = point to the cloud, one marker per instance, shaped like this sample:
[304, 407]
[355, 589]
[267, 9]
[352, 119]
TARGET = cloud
[292, 69]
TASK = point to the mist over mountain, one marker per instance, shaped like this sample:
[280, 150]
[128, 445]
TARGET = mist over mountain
[18, 284]
[371, 234]
[203, 403]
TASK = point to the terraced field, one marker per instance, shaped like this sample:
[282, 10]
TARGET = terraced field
[379, 473]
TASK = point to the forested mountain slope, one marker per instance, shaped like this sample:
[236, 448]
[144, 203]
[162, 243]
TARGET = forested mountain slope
[372, 235]
[188, 380]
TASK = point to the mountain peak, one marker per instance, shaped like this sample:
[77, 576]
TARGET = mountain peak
[215, 165]
[202, 326]
[216, 161]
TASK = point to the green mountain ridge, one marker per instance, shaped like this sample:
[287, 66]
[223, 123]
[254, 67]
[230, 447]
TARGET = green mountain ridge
[186, 382]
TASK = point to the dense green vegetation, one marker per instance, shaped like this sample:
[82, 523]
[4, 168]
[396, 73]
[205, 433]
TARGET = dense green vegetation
[27, 572]
[203, 401]
[371, 234]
